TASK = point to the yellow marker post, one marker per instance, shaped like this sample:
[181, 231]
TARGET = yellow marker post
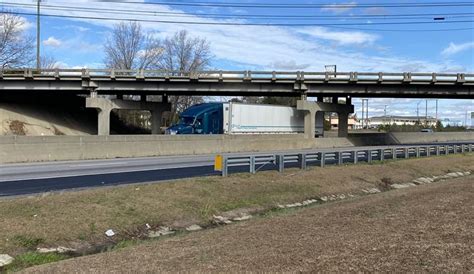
[218, 163]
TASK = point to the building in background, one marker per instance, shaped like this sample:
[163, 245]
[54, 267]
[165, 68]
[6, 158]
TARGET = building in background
[375, 122]
[352, 122]
[451, 122]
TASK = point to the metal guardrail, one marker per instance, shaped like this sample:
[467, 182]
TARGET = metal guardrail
[221, 75]
[303, 160]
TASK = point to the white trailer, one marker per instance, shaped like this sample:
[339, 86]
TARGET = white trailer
[242, 118]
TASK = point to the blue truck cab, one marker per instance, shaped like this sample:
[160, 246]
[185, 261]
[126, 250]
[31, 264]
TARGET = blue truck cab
[206, 118]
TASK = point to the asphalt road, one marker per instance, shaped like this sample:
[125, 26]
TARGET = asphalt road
[31, 178]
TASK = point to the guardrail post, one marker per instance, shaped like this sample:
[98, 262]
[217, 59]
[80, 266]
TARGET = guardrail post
[224, 167]
[302, 160]
[446, 150]
[355, 155]
[280, 162]
[323, 158]
[252, 164]
[407, 152]
[382, 154]
[339, 158]
[437, 150]
[394, 153]
[369, 156]
[455, 149]
[463, 148]
[428, 151]
[470, 147]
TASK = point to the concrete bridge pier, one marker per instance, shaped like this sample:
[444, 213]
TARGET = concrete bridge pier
[105, 106]
[315, 115]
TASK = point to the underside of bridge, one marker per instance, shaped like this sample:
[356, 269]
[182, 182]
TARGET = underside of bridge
[99, 88]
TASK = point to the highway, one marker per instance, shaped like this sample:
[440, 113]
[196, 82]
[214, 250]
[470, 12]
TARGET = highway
[32, 178]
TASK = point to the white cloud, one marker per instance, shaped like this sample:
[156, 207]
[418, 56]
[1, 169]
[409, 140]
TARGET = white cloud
[340, 37]
[456, 48]
[52, 42]
[339, 8]
[263, 47]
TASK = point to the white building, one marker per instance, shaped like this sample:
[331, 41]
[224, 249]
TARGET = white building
[374, 122]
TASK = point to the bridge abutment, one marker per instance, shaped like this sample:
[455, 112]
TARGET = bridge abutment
[105, 107]
[314, 116]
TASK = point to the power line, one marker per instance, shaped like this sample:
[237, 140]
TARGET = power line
[233, 16]
[245, 24]
[300, 6]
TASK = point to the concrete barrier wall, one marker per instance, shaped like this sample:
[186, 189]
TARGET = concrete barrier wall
[15, 149]
[428, 137]
[395, 138]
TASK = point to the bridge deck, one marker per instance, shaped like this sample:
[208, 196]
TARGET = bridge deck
[243, 83]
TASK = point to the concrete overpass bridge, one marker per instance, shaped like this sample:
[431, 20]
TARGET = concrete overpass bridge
[240, 83]
[96, 82]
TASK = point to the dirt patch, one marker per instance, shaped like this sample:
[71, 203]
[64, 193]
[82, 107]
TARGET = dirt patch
[422, 229]
[56, 131]
[83, 217]
[17, 127]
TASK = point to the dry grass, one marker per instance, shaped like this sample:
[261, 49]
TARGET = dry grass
[84, 216]
[17, 127]
[422, 229]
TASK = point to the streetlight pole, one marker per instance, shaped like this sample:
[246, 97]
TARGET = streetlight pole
[436, 110]
[418, 111]
[38, 34]
[426, 112]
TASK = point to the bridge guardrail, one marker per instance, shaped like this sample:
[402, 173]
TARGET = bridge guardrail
[303, 160]
[247, 75]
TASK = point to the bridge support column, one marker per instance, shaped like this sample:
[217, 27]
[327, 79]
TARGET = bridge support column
[343, 121]
[320, 123]
[312, 108]
[105, 106]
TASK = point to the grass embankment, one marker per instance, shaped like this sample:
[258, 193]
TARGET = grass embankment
[80, 218]
[425, 229]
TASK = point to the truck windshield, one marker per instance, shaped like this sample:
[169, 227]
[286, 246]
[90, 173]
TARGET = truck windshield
[186, 120]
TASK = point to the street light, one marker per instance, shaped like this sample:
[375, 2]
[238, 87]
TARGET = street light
[418, 111]
[38, 35]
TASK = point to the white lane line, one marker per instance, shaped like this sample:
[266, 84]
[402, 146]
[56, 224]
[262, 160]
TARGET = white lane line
[99, 164]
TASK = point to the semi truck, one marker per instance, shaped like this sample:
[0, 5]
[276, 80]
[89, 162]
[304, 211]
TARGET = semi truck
[239, 118]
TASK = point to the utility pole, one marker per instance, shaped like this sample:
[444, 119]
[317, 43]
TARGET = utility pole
[418, 111]
[38, 34]
[367, 113]
[426, 112]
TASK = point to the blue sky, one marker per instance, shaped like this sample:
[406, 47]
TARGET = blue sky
[78, 42]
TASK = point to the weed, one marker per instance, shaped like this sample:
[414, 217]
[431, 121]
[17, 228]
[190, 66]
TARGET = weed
[385, 183]
[27, 241]
[33, 258]
[92, 228]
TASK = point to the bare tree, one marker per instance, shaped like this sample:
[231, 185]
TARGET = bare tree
[185, 55]
[16, 48]
[129, 47]
[48, 62]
